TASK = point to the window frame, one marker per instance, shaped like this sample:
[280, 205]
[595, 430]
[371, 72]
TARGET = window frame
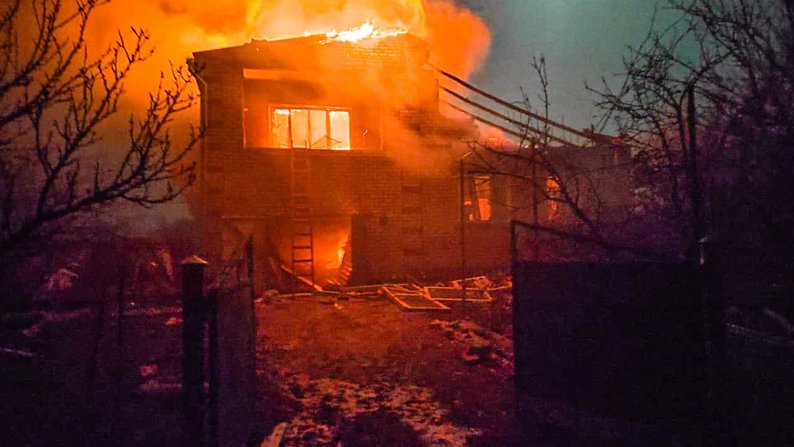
[309, 108]
[478, 198]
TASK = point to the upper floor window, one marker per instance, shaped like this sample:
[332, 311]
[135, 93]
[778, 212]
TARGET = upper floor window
[310, 128]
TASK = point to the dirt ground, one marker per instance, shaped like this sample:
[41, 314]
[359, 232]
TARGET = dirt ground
[364, 372]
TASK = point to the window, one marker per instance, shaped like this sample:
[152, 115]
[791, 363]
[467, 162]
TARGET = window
[310, 128]
[553, 194]
[477, 202]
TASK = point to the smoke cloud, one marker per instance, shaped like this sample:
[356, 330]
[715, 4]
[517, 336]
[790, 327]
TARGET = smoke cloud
[458, 39]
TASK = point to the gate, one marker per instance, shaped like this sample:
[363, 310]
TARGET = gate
[619, 344]
[219, 337]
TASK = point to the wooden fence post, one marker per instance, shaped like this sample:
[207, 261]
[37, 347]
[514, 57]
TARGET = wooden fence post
[194, 311]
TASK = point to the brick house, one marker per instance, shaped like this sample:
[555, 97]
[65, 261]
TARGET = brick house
[334, 154]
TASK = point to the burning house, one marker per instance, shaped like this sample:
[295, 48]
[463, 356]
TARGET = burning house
[331, 152]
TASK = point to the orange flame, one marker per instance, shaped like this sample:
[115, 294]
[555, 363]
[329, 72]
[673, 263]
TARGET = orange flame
[366, 31]
[458, 39]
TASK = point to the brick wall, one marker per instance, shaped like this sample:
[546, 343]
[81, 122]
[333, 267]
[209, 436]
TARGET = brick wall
[404, 217]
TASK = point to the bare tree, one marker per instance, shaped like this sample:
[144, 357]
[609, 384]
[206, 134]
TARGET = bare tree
[56, 100]
[708, 103]
[547, 164]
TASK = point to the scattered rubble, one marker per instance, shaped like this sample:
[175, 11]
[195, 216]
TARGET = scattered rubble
[477, 282]
[482, 345]
[274, 440]
[411, 298]
[327, 405]
[60, 281]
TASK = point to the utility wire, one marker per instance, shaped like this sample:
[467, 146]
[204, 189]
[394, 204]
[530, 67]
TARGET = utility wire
[522, 126]
[485, 121]
[500, 101]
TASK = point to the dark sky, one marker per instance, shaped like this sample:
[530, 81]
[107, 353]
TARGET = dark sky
[582, 40]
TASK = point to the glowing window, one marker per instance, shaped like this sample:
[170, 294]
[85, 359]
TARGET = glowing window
[477, 203]
[310, 128]
[482, 189]
[553, 193]
[280, 133]
[340, 130]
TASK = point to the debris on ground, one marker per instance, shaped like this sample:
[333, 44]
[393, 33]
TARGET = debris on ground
[301, 280]
[456, 294]
[268, 296]
[477, 282]
[275, 438]
[63, 279]
[414, 297]
[481, 345]
[411, 298]
[329, 405]
[373, 375]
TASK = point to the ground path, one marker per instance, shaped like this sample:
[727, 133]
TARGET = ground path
[363, 372]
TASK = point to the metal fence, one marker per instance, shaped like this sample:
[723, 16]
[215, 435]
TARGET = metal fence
[219, 338]
[642, 347]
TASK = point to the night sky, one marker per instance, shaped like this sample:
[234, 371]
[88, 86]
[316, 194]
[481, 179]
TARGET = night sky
[582, 40]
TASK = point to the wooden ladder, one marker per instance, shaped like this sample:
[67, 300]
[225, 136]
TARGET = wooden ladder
[302, 229]
[412, 225]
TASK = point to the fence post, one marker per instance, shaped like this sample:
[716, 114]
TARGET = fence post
[193, 316]
[213, 419]
[714, 342]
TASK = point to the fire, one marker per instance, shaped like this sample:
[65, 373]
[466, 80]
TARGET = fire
[458, 39]
[340, 252]
[491, 135]
[366, 31]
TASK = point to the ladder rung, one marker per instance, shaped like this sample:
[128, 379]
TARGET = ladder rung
[301, 247]
[303, 261]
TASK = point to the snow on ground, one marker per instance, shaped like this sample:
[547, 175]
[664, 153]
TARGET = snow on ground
[327, 402]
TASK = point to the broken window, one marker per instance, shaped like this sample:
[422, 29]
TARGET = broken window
[477, 202]
[310, 128]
